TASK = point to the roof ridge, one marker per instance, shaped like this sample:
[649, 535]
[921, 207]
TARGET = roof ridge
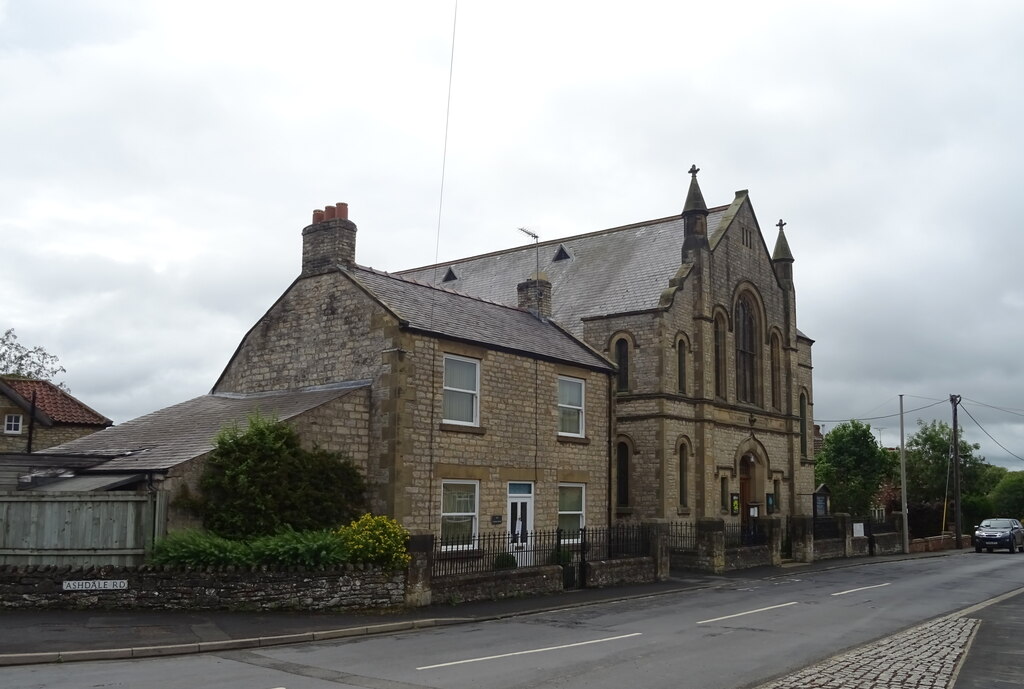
[550, 242]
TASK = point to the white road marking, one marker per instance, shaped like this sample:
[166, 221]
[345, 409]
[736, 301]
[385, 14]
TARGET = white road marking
[535, 650]
[748, 612]
[862, 588]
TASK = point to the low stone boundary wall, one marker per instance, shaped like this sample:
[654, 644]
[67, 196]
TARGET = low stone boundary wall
[633, 570]
[171, 588]
[829, 548]
[464, 588]
[935, 543]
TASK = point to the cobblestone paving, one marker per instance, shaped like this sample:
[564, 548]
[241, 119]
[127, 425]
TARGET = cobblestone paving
[923, 657]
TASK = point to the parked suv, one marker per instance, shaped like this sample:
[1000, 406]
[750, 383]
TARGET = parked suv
[999, 533]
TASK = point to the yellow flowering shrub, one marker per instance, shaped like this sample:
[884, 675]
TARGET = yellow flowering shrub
[377, 540]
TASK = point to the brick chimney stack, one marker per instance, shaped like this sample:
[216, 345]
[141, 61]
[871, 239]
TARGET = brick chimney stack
[328, 242]
[535, 295]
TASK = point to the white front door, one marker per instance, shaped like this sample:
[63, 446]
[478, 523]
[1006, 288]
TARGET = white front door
[520, 520]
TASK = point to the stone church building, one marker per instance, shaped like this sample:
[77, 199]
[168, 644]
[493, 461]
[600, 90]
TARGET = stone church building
[713, 397]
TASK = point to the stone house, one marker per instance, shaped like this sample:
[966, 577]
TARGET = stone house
[713, 397]
[482, 415]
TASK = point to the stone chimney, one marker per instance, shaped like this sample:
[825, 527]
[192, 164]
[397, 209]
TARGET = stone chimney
[328, 242]
[535, 295]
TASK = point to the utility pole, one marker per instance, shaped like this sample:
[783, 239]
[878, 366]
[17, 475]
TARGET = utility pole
[903, 484]
[955, 453]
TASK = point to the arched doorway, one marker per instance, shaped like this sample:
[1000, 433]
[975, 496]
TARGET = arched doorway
[751, 489]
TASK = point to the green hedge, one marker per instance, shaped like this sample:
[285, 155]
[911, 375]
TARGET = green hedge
[372, 540]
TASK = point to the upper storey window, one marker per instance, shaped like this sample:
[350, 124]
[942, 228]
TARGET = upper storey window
[570, 406]
[746, 351]
[461, 390]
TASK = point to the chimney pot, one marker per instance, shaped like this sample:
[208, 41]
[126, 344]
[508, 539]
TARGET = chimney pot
[329, 213]
[318, 216]
[342, 211]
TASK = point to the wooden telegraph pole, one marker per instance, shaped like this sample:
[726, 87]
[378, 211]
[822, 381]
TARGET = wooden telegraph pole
[955, 453]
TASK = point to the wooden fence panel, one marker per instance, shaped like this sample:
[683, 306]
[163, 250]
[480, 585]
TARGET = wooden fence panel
[80, 529]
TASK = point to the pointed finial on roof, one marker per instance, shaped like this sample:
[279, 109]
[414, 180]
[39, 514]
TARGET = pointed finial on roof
[782, 252]
[694, 199]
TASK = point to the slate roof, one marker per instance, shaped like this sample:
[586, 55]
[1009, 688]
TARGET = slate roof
[58, 406]
[619, 270]
[162, 439]
[462, 317]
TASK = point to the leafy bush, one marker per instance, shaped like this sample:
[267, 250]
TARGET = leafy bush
[260, 481]
[200, 549]
[323, 548]
[505, 561]
[377, 540]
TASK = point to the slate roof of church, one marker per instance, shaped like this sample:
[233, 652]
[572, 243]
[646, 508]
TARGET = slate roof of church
[618, 270]
[458, 316]
[58, 405]
[167, 437]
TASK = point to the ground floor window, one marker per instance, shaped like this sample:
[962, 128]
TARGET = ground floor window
[725, 493]
[12, 424]
[459, 506]
[570, 509]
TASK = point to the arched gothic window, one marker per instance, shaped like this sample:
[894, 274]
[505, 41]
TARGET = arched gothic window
[622, 475]
[776, 372]
[803, 424]
[681, 367]
[745, 327]
[684, 485]
[720, 357]
[622, 361]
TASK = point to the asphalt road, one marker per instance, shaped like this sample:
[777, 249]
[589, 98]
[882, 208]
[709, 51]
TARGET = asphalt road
[740, 634]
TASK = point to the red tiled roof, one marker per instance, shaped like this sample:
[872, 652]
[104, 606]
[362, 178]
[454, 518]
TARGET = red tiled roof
[55, 403]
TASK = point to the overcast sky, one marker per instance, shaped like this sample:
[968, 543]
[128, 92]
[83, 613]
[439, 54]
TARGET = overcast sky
[158, 161]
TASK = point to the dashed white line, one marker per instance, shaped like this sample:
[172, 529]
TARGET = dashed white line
[748, 612]
[533, 650]
[862, 588]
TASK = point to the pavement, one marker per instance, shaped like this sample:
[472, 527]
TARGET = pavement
[971, 649]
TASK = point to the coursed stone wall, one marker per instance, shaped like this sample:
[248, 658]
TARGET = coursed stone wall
[172, 588]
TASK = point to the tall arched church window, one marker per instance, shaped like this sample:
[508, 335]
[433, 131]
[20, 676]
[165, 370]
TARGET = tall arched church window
[684, 486]
[720, 357]
[803, 424]
[681, 367]
[746, 352]
[776, 372]
[622, 361]
[622, 475]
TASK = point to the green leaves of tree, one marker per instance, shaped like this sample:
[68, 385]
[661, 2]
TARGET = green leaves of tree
[260, 481]
[853, 466]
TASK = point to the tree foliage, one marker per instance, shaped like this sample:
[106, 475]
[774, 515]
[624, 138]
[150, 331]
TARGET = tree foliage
[853, 466]
[30, 362]
[929, 466]
[260, 481]
[1008, 496]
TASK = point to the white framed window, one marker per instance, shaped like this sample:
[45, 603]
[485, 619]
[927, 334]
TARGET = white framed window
[12, 424]
[570, 406]
[461, 390]
[460, 501]
[571, 499]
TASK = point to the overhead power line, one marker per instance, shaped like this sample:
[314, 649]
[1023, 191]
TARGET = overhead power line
[983, 430]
